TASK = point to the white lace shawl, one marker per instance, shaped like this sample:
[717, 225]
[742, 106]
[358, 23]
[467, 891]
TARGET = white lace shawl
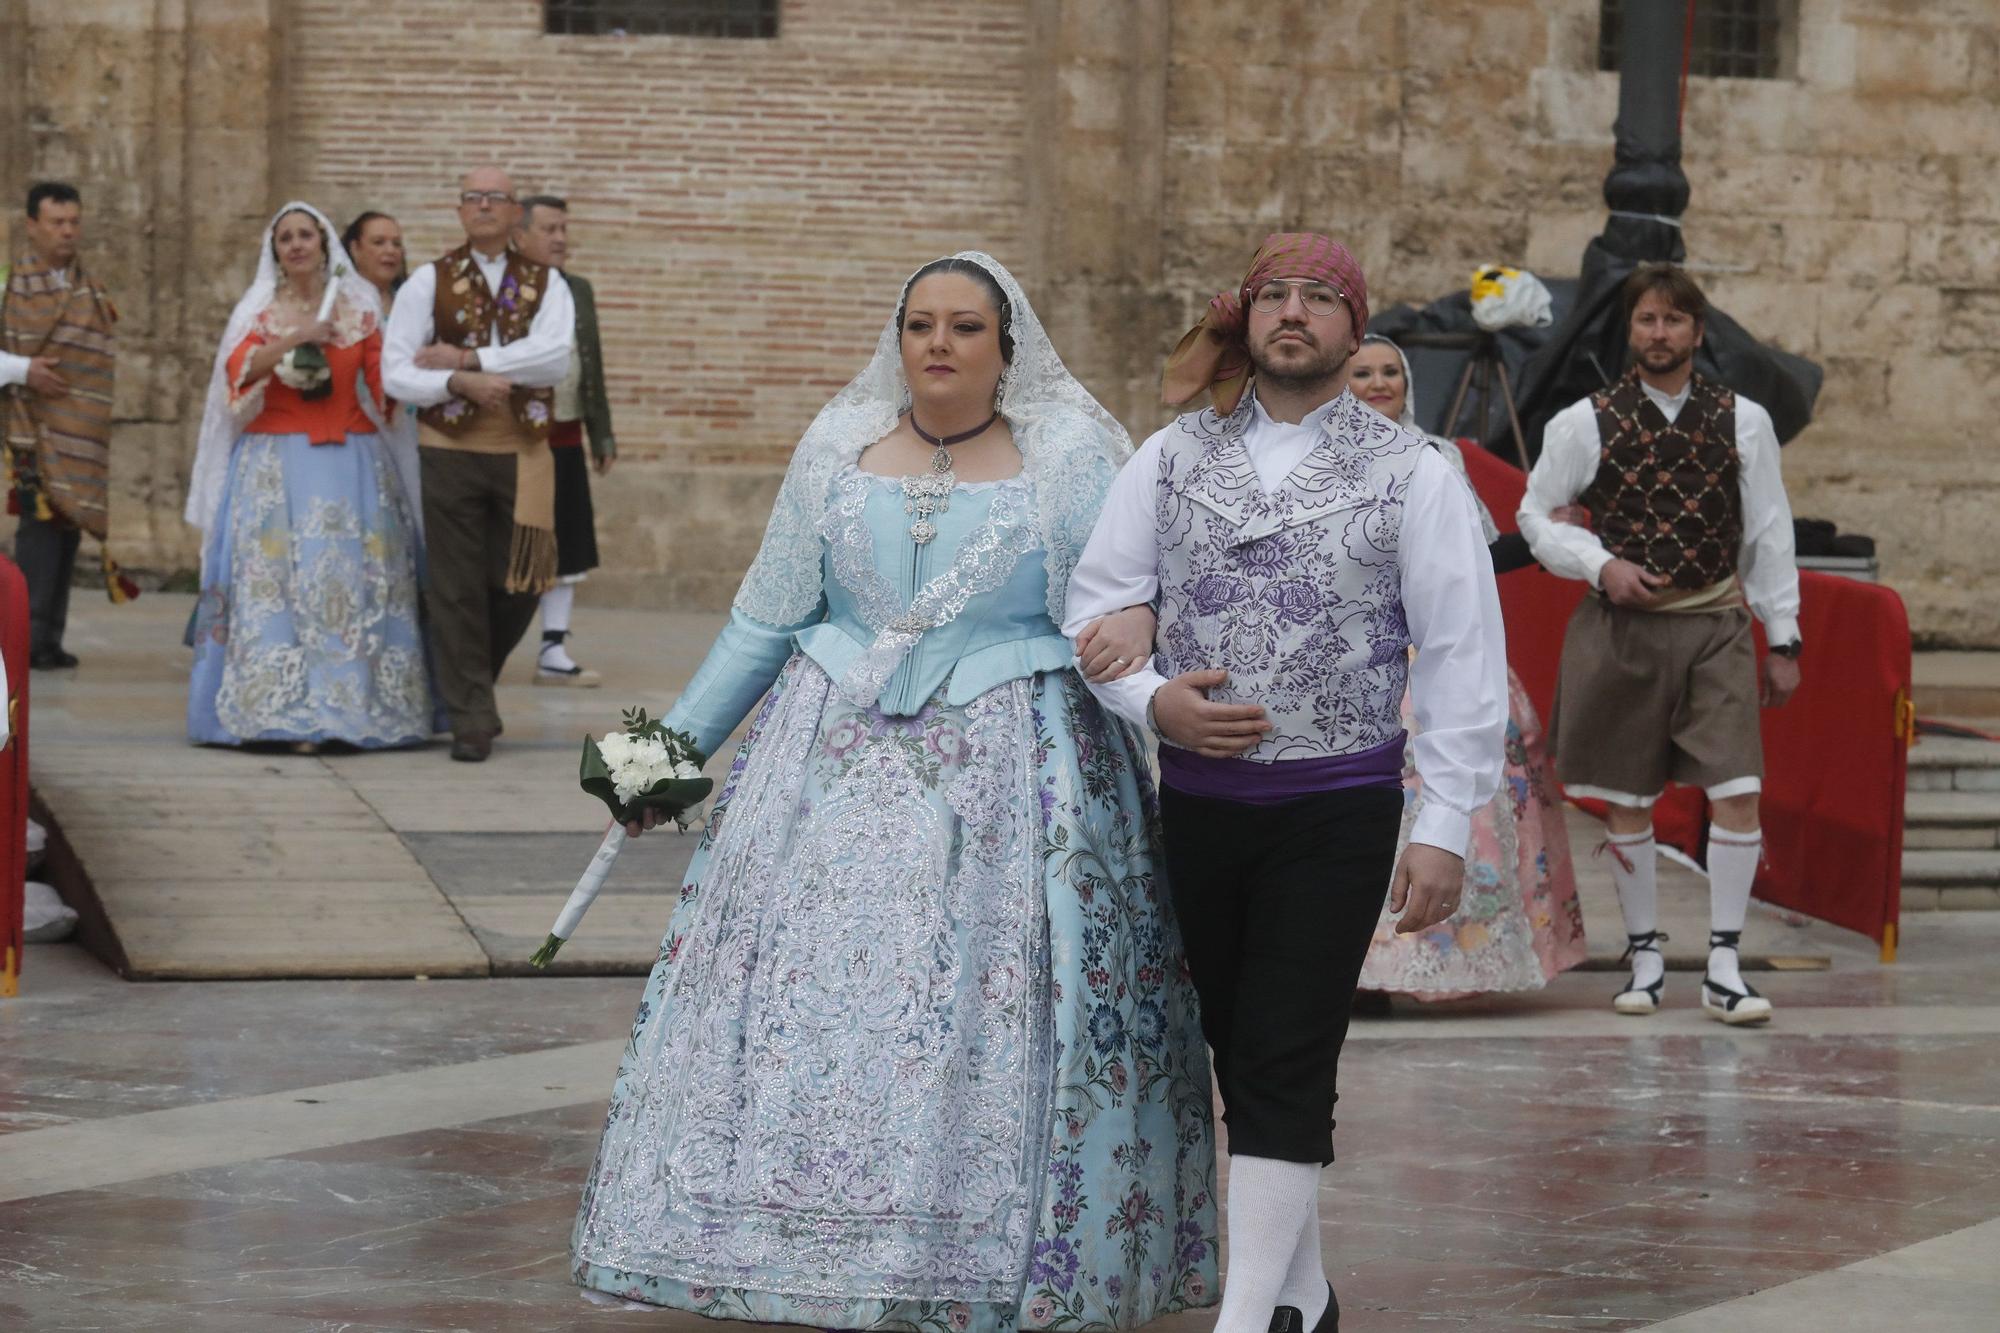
[220, 424]
[1071, 448]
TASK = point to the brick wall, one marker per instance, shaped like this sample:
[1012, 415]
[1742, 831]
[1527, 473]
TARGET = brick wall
[745, 209]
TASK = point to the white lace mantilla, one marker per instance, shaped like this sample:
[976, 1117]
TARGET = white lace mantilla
[1070, 446]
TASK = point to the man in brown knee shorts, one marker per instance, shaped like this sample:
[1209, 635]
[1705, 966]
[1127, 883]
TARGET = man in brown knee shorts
[1659, 680]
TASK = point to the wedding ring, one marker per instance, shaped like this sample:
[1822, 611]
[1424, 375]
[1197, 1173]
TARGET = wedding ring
[1119, 661]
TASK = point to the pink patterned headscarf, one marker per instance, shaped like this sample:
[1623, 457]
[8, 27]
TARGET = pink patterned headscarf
[1213, 355]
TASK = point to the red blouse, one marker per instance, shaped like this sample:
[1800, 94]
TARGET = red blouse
[328, 420]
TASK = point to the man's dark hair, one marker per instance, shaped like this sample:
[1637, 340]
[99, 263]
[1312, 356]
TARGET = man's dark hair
[57, 192]
[535, 201]
[970, 269]
[1672, 282]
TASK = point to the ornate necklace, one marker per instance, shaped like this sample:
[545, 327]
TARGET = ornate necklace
[930, 493]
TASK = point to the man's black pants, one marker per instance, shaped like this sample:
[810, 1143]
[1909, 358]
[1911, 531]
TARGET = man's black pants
[1277, 906]
[45, 549]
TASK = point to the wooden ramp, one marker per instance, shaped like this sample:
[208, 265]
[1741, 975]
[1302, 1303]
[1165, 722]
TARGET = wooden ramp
[195, 862]
[190, 862]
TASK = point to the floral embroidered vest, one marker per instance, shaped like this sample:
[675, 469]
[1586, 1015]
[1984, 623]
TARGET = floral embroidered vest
[1296, 593]
[465, 314]
[1666, 494]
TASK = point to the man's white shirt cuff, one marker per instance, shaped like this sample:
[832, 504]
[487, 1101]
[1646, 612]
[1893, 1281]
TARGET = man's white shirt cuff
[1438, 825]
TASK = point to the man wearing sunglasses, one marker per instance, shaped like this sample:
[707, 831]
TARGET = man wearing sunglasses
[1296, 544]
[477, 341]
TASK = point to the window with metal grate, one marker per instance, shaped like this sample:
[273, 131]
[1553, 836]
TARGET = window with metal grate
[1733, 39]
[662, 18]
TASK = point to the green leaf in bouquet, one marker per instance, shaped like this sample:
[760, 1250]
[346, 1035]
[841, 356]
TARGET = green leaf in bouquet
[309, 359]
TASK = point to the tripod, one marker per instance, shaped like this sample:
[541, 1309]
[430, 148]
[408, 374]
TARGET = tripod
[1485, 370]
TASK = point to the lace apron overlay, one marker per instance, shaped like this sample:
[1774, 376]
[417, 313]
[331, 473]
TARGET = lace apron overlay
[307, 628]
[839, 1080]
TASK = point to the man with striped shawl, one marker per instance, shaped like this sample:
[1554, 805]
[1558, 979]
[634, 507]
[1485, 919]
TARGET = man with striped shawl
[57, 356]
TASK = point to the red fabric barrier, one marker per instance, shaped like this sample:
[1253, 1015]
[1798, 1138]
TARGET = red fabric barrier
[13, 772]
[1835, 757]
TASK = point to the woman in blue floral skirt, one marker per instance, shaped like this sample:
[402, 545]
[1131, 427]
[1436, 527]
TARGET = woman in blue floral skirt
[919, 1051]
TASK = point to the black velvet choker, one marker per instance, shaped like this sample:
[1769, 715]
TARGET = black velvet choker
[947, 441]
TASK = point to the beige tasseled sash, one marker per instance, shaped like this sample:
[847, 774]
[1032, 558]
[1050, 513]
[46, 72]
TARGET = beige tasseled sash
[531, 561]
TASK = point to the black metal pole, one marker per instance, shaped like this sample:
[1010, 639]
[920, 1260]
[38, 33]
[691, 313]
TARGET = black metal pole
[1646, 183]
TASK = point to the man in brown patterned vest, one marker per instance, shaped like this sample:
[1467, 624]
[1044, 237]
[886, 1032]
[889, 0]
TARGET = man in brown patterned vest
[1690, 535]
[477, 341]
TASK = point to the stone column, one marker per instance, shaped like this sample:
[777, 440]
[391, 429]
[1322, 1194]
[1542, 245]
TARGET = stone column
[166, 115]
[1095, 191]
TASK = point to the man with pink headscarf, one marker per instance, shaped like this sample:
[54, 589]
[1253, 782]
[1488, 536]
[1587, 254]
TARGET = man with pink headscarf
[1296, 545]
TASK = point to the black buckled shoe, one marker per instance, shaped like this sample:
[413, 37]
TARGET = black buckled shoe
[1291, 1319]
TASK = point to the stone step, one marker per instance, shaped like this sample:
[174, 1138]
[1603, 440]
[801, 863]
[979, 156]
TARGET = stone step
[1951, 846]
[1945, 869]
[1952, 809]
[1950, 838]
[1952, 763]
[1958, 898]
[1976, 704]
[1954, 752]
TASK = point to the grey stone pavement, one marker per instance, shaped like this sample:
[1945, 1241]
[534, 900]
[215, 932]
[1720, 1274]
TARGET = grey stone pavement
[323, 1153]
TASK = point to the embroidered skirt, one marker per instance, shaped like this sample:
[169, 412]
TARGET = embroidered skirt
[307, 628]
[919, 1051]
[1518, 923]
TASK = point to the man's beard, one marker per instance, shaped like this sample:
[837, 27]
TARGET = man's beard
[1300, 375]
[1675, 360]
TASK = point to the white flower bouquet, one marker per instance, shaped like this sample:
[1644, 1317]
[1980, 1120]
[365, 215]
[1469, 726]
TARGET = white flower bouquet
[304, 367]
[644, 767]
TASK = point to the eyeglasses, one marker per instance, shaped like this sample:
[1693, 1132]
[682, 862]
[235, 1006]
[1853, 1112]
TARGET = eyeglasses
[474, 198]
[1319, 298]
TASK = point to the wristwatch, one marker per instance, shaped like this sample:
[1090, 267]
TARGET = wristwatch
[1790, 650]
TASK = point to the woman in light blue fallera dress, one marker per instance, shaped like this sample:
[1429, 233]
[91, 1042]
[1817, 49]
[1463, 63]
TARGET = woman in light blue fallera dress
[919, 1051]
[307, 630]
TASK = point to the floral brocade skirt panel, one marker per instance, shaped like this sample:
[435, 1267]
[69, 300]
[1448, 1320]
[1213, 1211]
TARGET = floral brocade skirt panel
[307, 628]
[1518, 923]
[919, 1052]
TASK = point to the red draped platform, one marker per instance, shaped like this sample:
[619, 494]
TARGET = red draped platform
[1835, 757]
[13, 772]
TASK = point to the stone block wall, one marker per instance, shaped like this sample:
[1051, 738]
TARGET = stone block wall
[1849, 212]
[747, 208]
[163, 115]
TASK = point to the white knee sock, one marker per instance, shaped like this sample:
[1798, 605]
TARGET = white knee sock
[556, 604]
[1305, 1281]
[1270, 1201]
[1732, 866]
[1635, 870]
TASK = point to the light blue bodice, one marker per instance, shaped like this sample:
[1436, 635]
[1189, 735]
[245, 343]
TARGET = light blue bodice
[897, 621]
